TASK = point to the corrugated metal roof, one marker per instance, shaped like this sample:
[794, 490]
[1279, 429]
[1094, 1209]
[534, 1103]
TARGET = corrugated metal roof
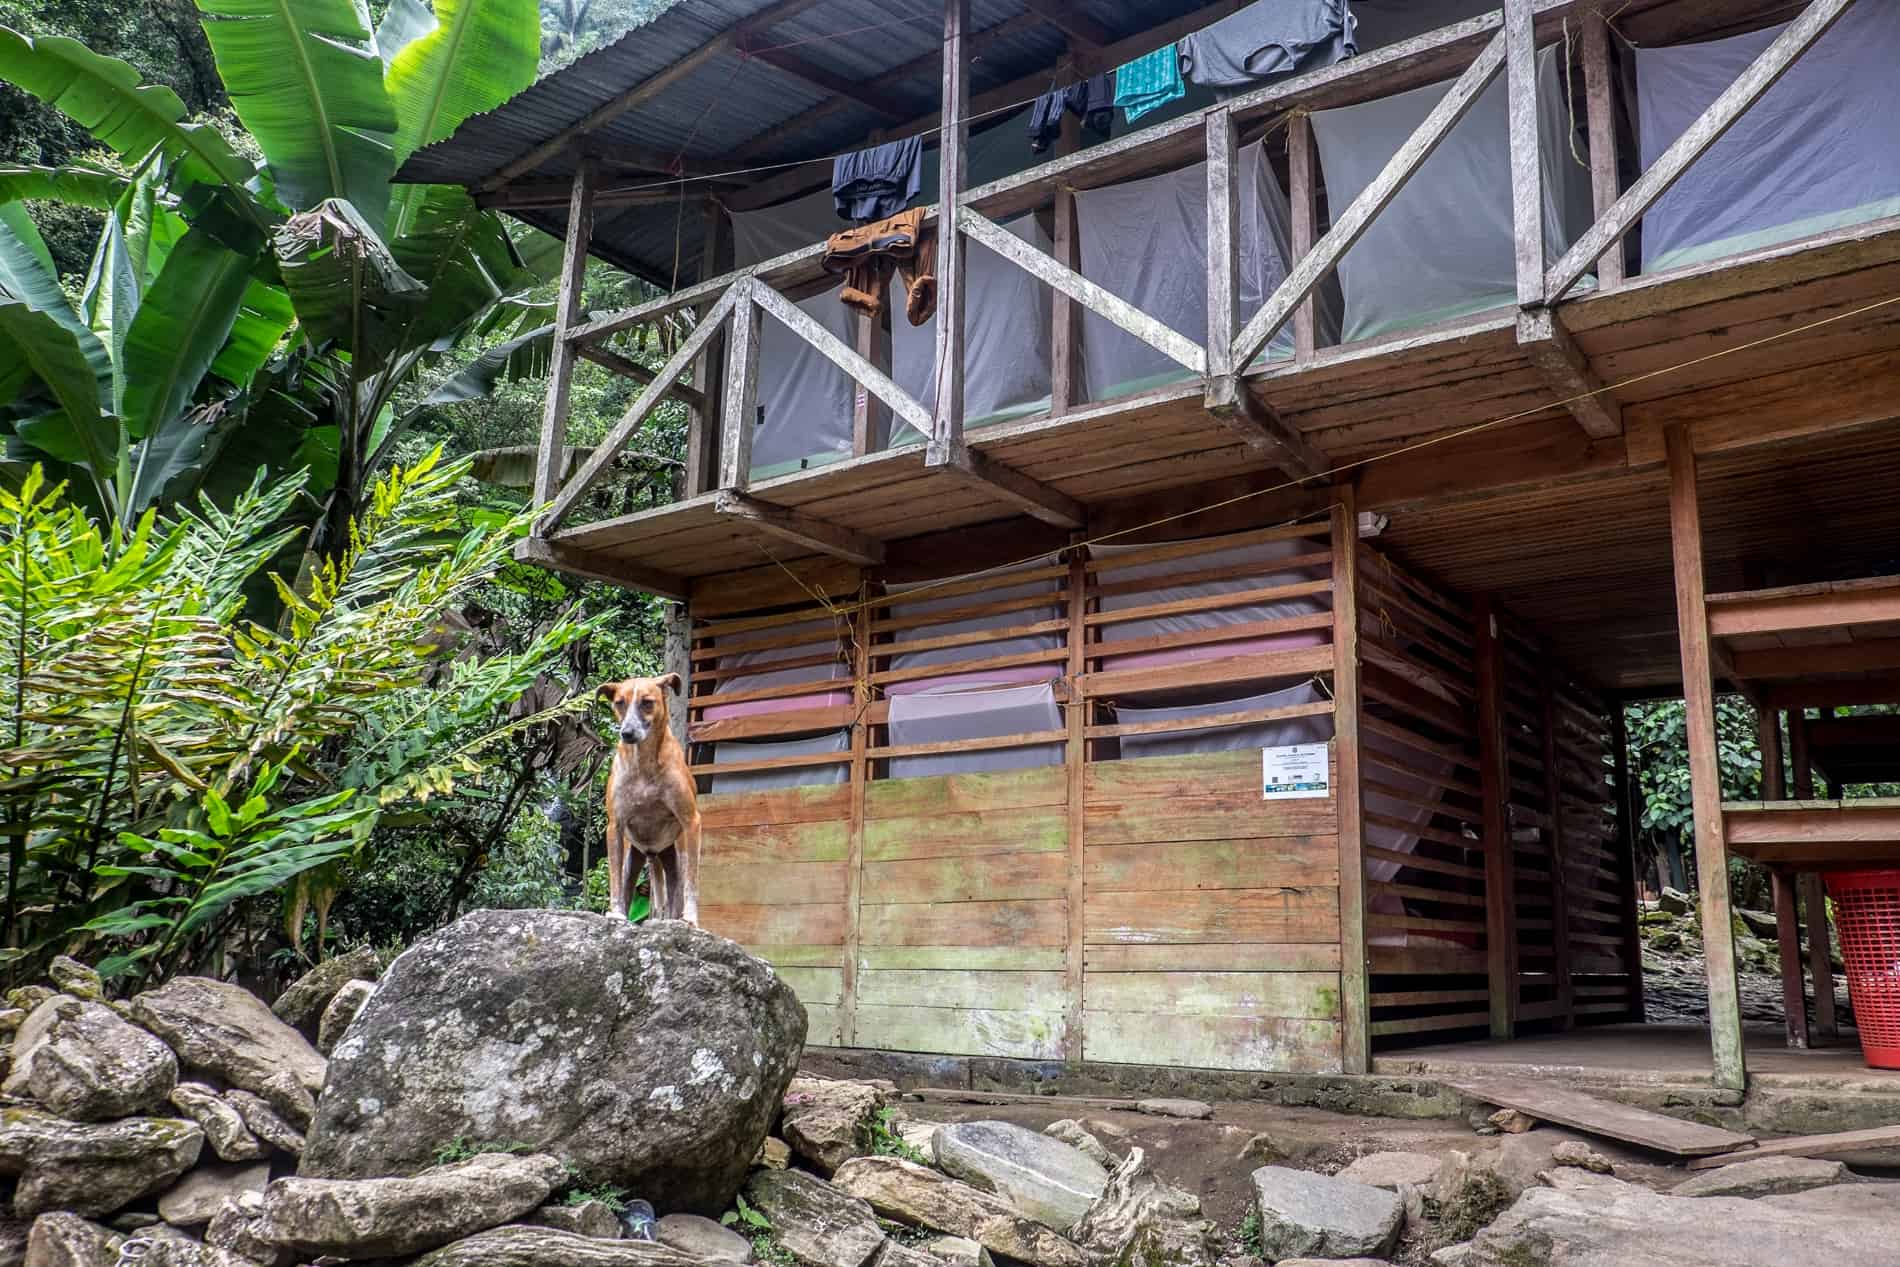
[732, 97]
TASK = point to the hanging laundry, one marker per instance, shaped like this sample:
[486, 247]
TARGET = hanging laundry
[1269, 38]
[1149, 82]
[867, 254]
[879, 182]
[1092, 100]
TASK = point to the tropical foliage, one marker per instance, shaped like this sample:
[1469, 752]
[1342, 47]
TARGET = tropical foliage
[168, 758]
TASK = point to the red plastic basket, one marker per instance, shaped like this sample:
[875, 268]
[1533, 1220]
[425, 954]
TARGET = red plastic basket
[1867, 912]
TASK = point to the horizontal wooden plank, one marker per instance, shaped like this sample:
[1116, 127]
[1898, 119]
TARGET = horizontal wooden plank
[799, 956]
[1269, 1044]
[1309, 995]
[965, 988]
[1554, 1102]
[827, 841]
[1225, 817]
[792, 721]
[814, 985]
[824, 1025]
[816, 925]
[1873, 1139]
[984, 877]
[1213, 957]
[956, 958]
[1029, 923]
[978, 793]
[962, 1031]
[1196, 774]
[771, 883]
[827, 803]
[1035, 829]
[1299, 662]
[1215, 915]
[1269, 862]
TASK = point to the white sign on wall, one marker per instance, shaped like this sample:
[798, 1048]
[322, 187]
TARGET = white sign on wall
[1294, 771]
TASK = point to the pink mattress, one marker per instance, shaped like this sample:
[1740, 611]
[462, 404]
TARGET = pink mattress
[1207, 650]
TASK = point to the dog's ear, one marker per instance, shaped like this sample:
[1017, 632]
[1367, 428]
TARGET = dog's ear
[671, 682]
[606, 690]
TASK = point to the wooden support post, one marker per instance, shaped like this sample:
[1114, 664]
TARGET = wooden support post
[1500, 864]
[860, 775]
[1223, 258]
[1559, 876]
[1774, 787]
[1066, 387]
[1626, 847]
[868, 414]
[702, 438]
[1355, 1015]
[1826, 1025]
[1705, 775]
[739, 414]
[1527, 174]
[1600, 102]
[946, 432]
[1694, 141]
[1302, 176]
[1075, 755]
[678, 658]
[550, 458]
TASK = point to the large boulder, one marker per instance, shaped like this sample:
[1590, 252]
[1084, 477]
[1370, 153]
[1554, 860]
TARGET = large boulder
[705, 1240]
[910, 1193]
[376, 1218]
[825, 1119]
[1308, 1215]
[1763, 1177]
[197, 1196]
[303, 1002]
[1609, 1224]
[81, 1060]
[651, 1056]
[1393, 1171]
[814, 1222]
[91, 1168]
[1141, 1219]
[226, 1031]
[522, 1246]
[340, 1011]
[66, 1240]
[1043, 1178]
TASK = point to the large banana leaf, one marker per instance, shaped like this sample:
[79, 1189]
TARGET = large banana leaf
[150, 226]
[404, 21]
[111, 299]
[27, 277]
[525, 357]
[480, 53]
[304, 77]
[180, 327]
[262, 319]
[51, 352]
[104, 96]
[347, 287]
[463, 255]
[74, 186]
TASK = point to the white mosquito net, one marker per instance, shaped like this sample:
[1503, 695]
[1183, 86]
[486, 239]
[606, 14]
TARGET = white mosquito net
[952, 625]
[950, 713]
[795, 776]
[1815, 152]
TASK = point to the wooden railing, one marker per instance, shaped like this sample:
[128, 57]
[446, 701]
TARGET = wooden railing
[721, 355]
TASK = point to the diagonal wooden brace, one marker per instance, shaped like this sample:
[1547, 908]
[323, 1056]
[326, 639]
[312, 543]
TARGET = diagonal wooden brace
[801, 529]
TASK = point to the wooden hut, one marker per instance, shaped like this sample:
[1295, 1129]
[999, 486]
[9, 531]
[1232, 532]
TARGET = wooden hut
[1420, 405]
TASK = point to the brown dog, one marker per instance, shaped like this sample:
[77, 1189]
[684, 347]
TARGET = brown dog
[652, 808]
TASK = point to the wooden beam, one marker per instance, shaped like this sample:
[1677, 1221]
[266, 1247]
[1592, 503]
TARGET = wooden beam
[833, 349]
[1223, 258]
[837, 85]
[1813, 892]
[1075, 758]
[1548, 344]
[1842, 1144]
[1870, 655]
[1301, 157]
[801, 529]
[1599, 87]
[550, 457]
[1566, 1017]
[860, 776]
[1031, 497]
[702, 435]
[647, 89]
[593, 566]
[1626, 815]
[607, 450]
[1069, 19]
[691, 397]
[1705, 776]
[1774, 787]
[1267, 433]
[1829, 605]
[1066, 386]
[1350, 224]
[1527, 172]
[1098, 300]
[869, 418]
[945, 446]
[1355, 1010]
[738, 416]
[1694, 141]
[1500, 881]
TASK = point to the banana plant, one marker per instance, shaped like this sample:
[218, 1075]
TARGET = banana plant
[373, 279]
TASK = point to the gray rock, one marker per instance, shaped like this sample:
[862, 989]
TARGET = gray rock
[1614, 1224]
[1452, 1256]
[153, 1250]
[1579, 1155]
[959, 1251]
[825, 1118]
[894, 1253]
[1763, 1177]
[1512, 1121]
[523, 1246]
[66, 1240]
[921, 1136]
[1332, 1262]
[1192, 1110]
[303, 1002]
[28, 997]
[1392, 1170]
[224, 1130]
[340, 1011]
[773, 1153]
[1323, 1216]
[261, 1120]
[375, 1218]
[91, 1168]
[1675, 902]
[1076, 1136]
[81, 1061]
[1139, 1218]
[586, 1218]
[69, 976]
[289, 1099]
[238, 1226]
[197, 1196]
[226, 1031]
[1471, 1191]
[918, 1195]
[13, 1234]
[649, 1056]
[1043, 1178]
[817, 1224]
[702, 1239]
[11, 1018]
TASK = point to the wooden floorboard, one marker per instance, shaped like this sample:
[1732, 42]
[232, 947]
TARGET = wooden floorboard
[1552, 1103]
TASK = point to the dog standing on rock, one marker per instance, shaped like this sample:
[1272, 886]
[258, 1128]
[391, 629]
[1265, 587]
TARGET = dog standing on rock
[652, 808]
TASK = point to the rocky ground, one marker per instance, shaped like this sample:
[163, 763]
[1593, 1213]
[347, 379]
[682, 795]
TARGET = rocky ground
[1676, 984]
[555, 1089]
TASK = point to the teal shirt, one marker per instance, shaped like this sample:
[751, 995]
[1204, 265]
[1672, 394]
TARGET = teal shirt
[1149, 82]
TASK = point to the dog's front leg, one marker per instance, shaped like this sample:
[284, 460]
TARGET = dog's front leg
[617, 885]
[659, 891]
[688, 851]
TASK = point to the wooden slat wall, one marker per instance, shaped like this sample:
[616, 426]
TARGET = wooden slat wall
[1606, 963]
